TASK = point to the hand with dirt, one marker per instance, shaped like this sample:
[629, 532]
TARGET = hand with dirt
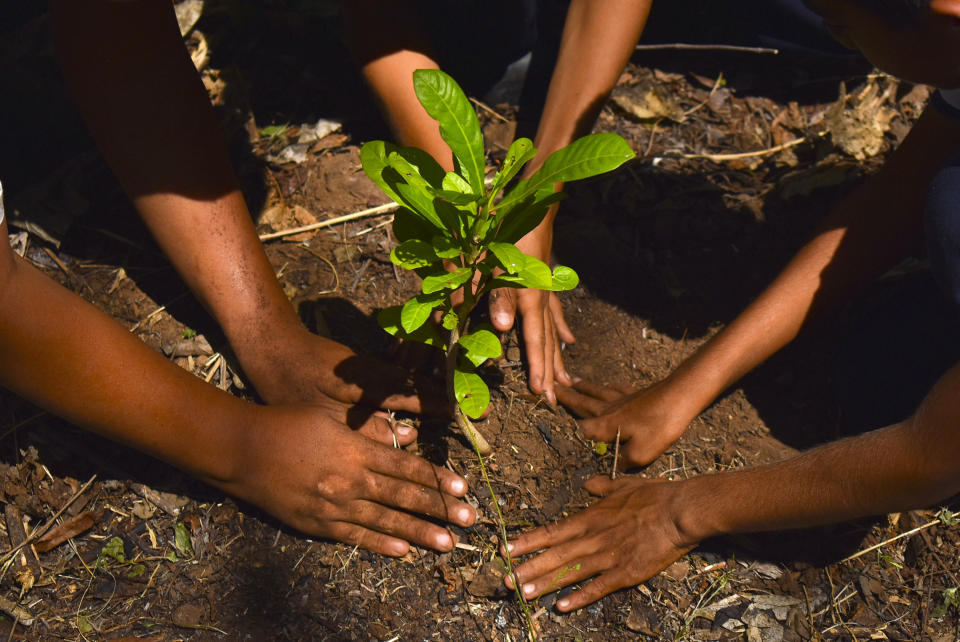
[306, 467]
[625, 538]
[648, 420]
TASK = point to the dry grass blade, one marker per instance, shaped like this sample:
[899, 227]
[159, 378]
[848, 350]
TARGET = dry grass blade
[908, 533]
[372, 211]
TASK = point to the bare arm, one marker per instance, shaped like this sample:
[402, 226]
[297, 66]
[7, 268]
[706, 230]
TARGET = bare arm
[642, 526]
[134, 83]
[874, 227]
[302, 464]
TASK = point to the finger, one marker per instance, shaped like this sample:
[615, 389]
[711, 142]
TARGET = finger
[379, 429]
[556, 311]
[603, 485]
[370, 540]
[597, 390]
[583, 405]
[384, 520]
[549, 535]
[604, 428]
[404, 466]
[603, 585]
[551, 348]
[503, 308]
[568, 567]
[419, 499]
[534, 340]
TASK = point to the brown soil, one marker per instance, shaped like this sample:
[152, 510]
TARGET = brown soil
[668, 250]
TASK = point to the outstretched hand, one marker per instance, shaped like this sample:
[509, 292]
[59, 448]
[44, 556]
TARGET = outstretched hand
[648, 420]
[622, 540]
[307, 468]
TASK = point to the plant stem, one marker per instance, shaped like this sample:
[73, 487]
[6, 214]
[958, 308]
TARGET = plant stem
[503, 533]
[469, 430]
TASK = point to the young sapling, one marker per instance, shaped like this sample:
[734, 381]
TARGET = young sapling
[457, 230]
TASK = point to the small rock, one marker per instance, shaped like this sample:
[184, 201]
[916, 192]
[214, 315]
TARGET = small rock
[188, 615]
[489, 581]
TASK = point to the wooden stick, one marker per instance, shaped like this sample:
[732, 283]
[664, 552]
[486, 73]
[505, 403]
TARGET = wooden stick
[910, 532]
[760, 152]
[38, 532]
[681, 46]
[373, 211]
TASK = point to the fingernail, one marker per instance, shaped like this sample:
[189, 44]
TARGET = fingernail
[445, 541]
[528, 589]
[576, 379]
[463, 515]
[509, 547]
[404, 430]
[562, 604]
[458, 486]
[502, 318]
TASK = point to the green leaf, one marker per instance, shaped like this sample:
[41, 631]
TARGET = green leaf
[947, 518]
[520, 153]
[450, 320]
[480, 345]
[447, 281]
[273, 131]
[412, 189]
[137, 570]
[413, 254]
[471, 392]
[189, 333]
[526, 215]
[454, 197]
[416, 311]
[453, 182]
[171, 557]
[443, 99]
[588, 156]
[511, 259]
[446, 248]
[373, 158]
[114, 549]
[181, 539]
[950, 598]
[389, 320]
[564, 278]
[600, 448]
[535, 273]
[407, 225]
[425, 166]
[83, 625]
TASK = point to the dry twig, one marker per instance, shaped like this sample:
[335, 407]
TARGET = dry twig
[682, 46]
[372, 211]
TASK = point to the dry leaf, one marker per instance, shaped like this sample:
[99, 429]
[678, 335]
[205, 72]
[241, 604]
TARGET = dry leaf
[857, 124]
[647, 101]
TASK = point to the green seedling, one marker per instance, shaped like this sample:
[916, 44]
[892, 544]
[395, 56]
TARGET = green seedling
[457, 230]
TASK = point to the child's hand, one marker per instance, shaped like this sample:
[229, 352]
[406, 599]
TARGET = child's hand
[649, 420]
[622, 540]
[317, 475]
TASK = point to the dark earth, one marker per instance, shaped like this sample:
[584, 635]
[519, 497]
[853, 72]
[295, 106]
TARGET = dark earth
[669, 248]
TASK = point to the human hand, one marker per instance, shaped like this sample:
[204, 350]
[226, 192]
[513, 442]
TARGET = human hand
[301, 367]
[624, 539]
[544, 329]
[307, 468]
[648, 420]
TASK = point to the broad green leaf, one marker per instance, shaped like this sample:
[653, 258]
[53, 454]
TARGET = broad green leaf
[416, 311]
[137, 570]
[416, 198]
[453, 218]
[426, 166]
[447, 281]
[446, 248]
[373, 158]
[413, 254]
[450, 320]
[535, 273]
[527, 214]
[455, 197]
[453, 182]
[564, 278]
[83, 625]
[471, 392]
[407, 226]
[520, 153]
[181, 539]
[588, 156]
[443, 99]
[389, 320]
[511, 259]
[480, 345]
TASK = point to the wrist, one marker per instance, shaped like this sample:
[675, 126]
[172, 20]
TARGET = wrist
[694, 511]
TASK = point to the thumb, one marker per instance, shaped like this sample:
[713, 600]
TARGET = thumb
[378, 428]
[603, 485]
[503, 308]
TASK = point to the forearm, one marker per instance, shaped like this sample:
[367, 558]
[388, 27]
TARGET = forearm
[907, 465]
[134, 83]
[65, 355]
[869, 231]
